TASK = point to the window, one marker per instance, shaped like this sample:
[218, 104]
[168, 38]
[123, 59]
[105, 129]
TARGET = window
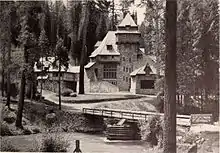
[109, 47]
[123, 58]
[126, 79]
[96, 72]
[112, 57]
[109, 71]
[123, 78]
[130, 60]
[139, 57]
[126, 69]
[104, 57]
[123, 68]
[147, 84]
[57, 74]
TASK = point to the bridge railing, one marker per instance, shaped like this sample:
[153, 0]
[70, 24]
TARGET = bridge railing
[128, 114]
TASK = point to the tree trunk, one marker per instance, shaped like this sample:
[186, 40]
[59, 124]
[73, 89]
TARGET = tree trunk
[21, 101]
[41, 81]
[32, 84]
[21, 93]
[9, 77]
[9, 60]
[157, 46]
[84, 23]
[3, 70]
[59, 85]
[169, 132]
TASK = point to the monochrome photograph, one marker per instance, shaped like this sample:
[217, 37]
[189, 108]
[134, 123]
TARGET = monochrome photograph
[109, 76]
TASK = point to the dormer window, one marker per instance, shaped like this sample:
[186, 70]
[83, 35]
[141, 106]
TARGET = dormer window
[109, 47]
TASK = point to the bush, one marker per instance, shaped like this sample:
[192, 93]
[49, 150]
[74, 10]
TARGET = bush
[190, 138]
[10, 118]
[66, 92]
[54, 144]
[27, 131]
[5, 130]
[73, 95]
[6, 146]
[160, 102]
[35, 130]
[152, 131]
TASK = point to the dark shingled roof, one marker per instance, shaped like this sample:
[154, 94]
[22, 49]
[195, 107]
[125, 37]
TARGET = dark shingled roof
[110, 39]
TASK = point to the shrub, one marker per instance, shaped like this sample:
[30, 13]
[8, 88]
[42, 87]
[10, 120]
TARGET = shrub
[66, 92]
[35, 130]
[27, 131]
[160, 102]
[152, 131]
[6, 146]
[5, 130]
[10, 118]
[54, 144]
[73, 95]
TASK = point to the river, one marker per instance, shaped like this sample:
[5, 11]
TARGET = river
[88, 143]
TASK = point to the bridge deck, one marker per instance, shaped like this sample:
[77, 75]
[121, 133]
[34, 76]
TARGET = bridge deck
[182, 120]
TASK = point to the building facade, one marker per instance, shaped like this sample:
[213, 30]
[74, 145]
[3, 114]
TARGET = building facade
[116, 56]
[117, 64]
[47, 72]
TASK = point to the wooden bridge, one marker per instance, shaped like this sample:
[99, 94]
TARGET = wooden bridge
[182, 120]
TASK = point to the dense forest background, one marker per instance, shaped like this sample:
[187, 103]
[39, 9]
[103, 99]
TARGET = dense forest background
[36, 26]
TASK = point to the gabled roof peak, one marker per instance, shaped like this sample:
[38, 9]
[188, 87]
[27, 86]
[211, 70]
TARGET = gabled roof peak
[127, 21]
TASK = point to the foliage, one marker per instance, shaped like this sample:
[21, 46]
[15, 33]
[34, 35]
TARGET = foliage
[152, 131]
[27, 131]
[66, 92]
[61, 53]
[5, 130]
[6, 146]
[43, 43]
[197, 44]
[54, 144]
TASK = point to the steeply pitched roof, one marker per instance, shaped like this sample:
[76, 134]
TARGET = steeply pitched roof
[143, 70]
[110, 39]
[90, 64]
[127, 21]
[150, 64]
[98, 43]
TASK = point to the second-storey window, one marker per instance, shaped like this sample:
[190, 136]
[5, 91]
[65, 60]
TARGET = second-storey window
[109, 71]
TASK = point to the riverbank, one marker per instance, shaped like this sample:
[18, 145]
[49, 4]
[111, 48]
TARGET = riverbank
[69, 123]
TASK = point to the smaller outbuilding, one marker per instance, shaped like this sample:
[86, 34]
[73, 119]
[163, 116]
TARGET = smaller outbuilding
[143, 79]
